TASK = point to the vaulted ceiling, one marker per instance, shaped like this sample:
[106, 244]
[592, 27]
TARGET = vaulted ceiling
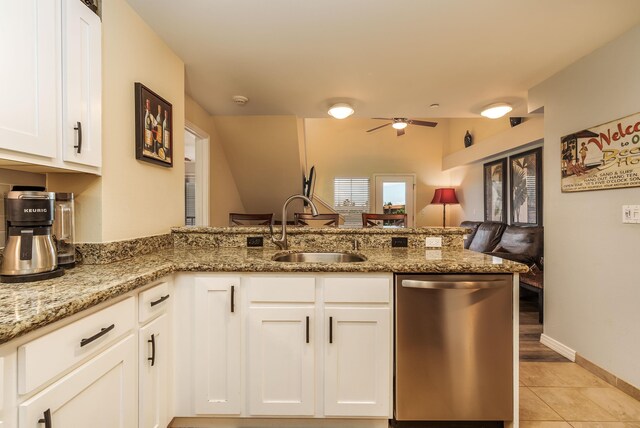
[388, 58]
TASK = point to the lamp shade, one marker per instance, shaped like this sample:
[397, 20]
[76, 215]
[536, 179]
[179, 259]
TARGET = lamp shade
[445, 196]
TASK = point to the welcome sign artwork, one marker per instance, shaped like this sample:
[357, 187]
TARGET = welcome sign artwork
[603, 157]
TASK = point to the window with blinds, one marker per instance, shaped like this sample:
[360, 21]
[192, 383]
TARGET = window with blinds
[351, 199]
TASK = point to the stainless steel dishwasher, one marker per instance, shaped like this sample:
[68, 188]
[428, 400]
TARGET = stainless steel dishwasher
[453, 347]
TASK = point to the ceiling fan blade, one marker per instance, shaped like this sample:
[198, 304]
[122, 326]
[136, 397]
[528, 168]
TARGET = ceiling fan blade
[382, 118]
[422, 123]
[400, 132]
[378, 127]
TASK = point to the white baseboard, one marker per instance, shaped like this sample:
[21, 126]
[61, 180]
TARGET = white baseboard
[560, 348]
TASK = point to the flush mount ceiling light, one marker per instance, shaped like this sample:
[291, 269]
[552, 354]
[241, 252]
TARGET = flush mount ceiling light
[495, 111]
[341, 110]
[399, 124]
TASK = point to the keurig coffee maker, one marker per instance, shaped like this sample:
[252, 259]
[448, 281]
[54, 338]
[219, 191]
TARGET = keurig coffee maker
[29, 253]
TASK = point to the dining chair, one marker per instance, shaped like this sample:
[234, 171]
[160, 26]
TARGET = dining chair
[302, 219]
[237, 219]
[372, 220]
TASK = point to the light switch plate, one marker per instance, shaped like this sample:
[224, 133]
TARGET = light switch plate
[631, 214]
[433, 242]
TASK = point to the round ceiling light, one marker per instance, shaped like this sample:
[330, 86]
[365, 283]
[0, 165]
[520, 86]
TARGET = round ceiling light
[495, 111]
[399, 124]
[341, 111]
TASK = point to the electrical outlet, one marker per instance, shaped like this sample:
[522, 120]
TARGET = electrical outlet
[433, 242]
[397, 241]
[255, 241]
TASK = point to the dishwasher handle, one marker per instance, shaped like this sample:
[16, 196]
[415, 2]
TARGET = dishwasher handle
[451, 285]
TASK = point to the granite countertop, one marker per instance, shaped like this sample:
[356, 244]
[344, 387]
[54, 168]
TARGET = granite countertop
[27, 306]
[325, 230]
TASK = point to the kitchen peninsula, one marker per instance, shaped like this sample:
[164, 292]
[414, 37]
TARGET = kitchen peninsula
[211, 300]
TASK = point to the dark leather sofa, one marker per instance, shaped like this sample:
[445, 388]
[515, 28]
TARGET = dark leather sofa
[523, 244]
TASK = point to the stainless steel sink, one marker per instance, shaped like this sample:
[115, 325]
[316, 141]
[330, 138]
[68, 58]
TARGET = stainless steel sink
[304, 257]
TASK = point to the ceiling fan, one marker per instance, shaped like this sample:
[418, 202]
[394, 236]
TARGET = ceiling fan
[399, 123]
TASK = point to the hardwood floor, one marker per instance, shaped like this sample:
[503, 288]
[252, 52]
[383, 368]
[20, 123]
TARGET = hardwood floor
[530, 329]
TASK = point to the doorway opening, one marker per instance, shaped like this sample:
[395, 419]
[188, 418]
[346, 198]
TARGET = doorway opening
[196, 176]
[395, 194]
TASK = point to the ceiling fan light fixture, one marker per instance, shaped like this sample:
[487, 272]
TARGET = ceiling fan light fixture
[399, 124]
[496, 111]
[341, 111]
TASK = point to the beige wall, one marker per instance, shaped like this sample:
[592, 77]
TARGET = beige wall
[223, 192]
[138, 198]
[264, 158]
[479, 128]
[132, 199]
[591, 277]
[87, 192]
[342, 148]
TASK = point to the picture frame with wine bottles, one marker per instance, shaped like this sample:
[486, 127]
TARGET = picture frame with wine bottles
[154, 127]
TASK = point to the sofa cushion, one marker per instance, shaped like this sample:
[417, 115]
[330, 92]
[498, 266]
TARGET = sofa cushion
[525, 241]
[473, 225]
[487, 236]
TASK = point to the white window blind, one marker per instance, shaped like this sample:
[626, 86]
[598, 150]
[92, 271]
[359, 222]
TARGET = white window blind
[351, 199]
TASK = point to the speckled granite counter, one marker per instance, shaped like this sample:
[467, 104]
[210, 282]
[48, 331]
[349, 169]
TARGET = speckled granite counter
[28, 306]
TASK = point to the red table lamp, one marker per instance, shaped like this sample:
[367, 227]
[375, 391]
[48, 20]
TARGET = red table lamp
[445, 196]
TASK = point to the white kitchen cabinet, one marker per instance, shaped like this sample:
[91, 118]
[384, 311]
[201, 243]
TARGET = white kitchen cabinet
[28, 78]
[357, 361]
[81, 84]
[217, 345]
[51, 84]
[281, 361]
[100, 393]
[153, 373]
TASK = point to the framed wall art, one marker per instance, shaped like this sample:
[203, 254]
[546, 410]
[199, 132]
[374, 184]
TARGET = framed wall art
[525, 191]
[606, 156]
[495, 190]
[154, 127]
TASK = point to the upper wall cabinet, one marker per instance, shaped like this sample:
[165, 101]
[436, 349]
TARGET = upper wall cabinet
[81, 84]
[50, 81]
[28, 78]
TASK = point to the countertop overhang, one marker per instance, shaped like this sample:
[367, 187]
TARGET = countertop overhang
[24, 307]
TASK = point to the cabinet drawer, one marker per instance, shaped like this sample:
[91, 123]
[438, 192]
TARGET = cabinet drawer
[282, 289]
[153, 301]
[44, 358]
[357, 290]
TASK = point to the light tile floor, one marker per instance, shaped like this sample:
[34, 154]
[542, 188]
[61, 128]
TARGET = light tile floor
[556, 393]
[564, 395]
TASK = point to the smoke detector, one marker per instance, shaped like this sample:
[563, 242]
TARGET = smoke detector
[240, 100]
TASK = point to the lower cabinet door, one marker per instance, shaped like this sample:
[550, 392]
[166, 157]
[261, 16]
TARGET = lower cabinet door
[217, 346]
[153, 373]
[357, 371]
[281, 362]
[101, 393]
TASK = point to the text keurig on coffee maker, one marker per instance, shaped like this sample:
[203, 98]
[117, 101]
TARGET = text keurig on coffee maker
[29, 253]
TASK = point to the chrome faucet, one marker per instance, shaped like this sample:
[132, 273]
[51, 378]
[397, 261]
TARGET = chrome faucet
[282, 241]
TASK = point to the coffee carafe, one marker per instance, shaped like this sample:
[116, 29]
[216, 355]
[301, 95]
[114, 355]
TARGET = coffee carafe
[29, 252]
[64, 230]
